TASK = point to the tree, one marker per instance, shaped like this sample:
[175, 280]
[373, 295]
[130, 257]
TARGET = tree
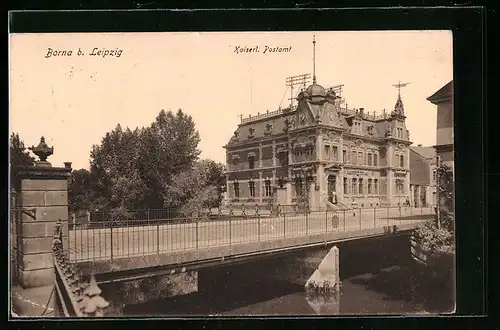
[446, 198]
[168, 147]
[216, 177]
[18, 157]
[196, 188]
[80, 191]
[135, 169]
[428, 233]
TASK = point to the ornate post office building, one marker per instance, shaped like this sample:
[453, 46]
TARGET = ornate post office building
[320, 153]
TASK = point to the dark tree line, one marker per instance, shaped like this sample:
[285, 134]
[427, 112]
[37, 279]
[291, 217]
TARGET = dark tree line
[19, 156]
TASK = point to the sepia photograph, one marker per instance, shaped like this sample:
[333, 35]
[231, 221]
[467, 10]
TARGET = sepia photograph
[177, 174]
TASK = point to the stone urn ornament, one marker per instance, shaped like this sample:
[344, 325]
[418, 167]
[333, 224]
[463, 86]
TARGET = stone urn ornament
[43, 151]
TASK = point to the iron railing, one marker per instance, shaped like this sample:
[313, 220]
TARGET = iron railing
[76, 295]
[107, 240]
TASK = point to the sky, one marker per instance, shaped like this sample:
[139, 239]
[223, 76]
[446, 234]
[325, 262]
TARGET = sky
[74, 100]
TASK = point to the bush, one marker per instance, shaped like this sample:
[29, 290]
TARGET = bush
[435, 239]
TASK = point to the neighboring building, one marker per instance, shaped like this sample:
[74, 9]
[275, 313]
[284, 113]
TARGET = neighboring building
[443, 98]
[318, 153]
[422, 176]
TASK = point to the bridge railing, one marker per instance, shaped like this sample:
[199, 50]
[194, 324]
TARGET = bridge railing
[107, 240]
[76, 295]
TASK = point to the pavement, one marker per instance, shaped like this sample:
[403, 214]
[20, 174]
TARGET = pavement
[32, 302]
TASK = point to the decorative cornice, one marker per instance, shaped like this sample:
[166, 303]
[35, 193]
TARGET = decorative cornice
[39, 172]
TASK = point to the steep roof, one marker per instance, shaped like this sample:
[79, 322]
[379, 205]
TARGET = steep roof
[426, 152]
[443, 94]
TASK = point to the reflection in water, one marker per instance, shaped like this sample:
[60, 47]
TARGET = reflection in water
[393, 290]
[378, 277]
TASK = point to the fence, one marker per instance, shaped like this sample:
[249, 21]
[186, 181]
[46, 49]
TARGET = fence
[106, 240]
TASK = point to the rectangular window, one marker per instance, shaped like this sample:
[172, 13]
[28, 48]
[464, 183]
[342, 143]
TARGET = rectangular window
[369, 159]
[346, 186]
[434, 175]
[361, 187]
[298, 187]
[236, 190]
[354, 185]
[360, 158]
[283, 157]
[251, 186]
[375, 186]
[370, 187]
[375, 159]
[335, 155]
[251, 162]
[327, 152]
[267, 184]
[401, 161]
[344, 156]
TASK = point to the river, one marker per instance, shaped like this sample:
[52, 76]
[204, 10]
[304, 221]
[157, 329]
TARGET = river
[395, 287]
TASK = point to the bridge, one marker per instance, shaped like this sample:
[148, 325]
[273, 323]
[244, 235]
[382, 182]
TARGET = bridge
[145, 259]
[137, 248]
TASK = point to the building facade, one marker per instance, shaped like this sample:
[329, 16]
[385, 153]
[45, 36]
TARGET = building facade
[422, 176]
[320, 153]
[443, 99]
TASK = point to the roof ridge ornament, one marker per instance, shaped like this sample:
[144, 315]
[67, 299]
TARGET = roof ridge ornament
[399, 107]
[314, 59]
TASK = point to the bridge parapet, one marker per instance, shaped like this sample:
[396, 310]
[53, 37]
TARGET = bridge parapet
[77, 295]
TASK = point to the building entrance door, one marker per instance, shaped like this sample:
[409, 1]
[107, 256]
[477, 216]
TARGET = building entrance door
[332, 195]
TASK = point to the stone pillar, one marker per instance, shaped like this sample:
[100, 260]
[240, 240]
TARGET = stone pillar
[227, 199]
[321, 179]
[260, 155]
[313, 195]
[340, 192]
[390, 175]
[261, 187]
[412, 195]
[45, 189]
[288, 187]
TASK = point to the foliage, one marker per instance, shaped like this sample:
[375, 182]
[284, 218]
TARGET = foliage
[18, 157]
[430, 236]
[135, 169]
[197, 188]
[446, 188]
[80, 190]
[151, 167]
[443, 237]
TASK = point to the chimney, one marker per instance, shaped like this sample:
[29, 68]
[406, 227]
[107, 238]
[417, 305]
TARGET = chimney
[361, 111]
[67, 164]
